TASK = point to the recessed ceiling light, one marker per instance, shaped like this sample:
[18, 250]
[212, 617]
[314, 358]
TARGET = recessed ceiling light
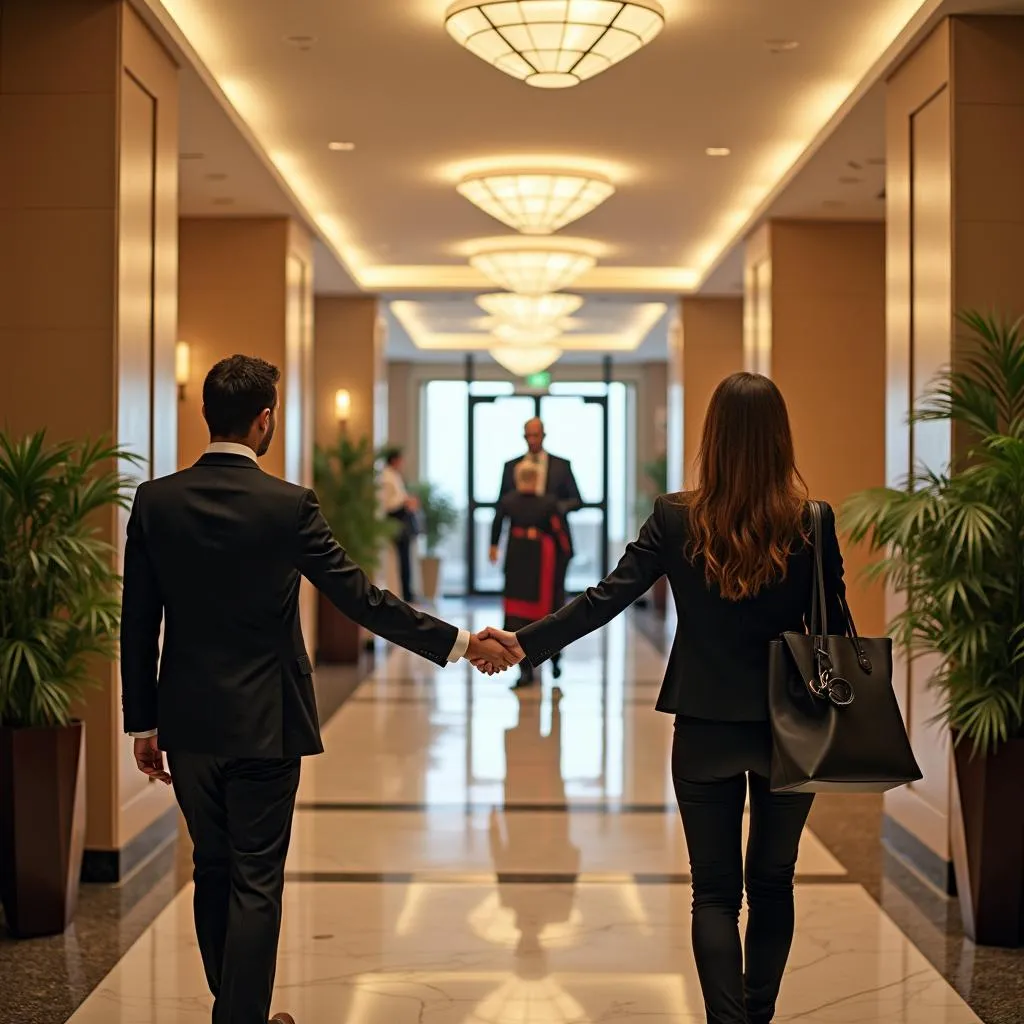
[781, 45]
[848, 180]
[301, 42]
[216, 176]
[223, 201]
[191, 156]
[718, 151]
[341, 147]
[833, 204]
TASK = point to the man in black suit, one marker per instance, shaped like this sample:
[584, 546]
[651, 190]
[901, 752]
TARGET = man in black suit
[216, 553]
[556, 481]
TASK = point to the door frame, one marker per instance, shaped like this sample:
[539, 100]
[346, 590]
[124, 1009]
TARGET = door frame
[602, 505]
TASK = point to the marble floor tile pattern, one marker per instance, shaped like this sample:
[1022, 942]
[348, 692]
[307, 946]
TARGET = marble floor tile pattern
[466, 855]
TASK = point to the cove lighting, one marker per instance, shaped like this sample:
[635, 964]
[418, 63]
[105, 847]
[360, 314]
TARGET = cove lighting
[554, 44]
[521, 362]
[534, 202]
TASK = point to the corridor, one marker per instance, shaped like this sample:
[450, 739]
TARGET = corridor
[464, 855]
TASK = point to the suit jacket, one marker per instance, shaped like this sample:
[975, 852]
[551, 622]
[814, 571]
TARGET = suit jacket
[560, 485]
[718, 667]
[217, 553]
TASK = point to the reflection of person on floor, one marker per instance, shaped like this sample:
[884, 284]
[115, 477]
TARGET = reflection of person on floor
[533, 775]
[538, 548]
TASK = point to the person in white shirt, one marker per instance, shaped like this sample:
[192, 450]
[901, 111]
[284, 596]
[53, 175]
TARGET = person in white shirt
[399, 505]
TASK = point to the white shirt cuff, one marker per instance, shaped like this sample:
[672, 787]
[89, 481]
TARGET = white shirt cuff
[142, 735]
[461, 646]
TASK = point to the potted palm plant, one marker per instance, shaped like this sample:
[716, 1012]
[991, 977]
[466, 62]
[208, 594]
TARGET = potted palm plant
[656, 483]
[438, 517]
[59, 610]
[346, 483]
[952, 541]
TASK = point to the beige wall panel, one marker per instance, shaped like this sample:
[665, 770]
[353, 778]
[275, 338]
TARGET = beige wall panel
[713, 344]
[73, 142]
[62, 47]
[346, 356]
[827, 354]
[986, 57]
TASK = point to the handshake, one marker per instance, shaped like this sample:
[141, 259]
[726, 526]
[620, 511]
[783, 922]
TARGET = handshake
[493, 650]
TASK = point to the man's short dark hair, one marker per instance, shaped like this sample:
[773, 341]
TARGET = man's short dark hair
[392, 454]
[236, 391]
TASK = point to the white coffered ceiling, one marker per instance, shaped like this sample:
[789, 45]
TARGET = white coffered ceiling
[269, 85]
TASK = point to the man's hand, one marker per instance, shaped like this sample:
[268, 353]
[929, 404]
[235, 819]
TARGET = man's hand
[507, 640]
[494, 554]
[150, 760]
[489, 656]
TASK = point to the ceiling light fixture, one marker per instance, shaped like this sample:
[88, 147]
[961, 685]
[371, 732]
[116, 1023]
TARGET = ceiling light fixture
[527, 337]
[341, 147]
[536, 202]
[533, 268]
[529, 311]
[717, 151]
[781, 45]
[553, 44]
[521, 362]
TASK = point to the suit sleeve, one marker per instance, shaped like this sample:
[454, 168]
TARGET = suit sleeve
[569, 497]
[141, 614]
[323, 561]
[508, 479]
[832, 563]
[642, 563]
[500, 515]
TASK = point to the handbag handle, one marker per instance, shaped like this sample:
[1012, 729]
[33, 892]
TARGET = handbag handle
[819, 607]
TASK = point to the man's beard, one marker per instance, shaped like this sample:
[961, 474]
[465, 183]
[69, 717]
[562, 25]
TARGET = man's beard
[265, 443]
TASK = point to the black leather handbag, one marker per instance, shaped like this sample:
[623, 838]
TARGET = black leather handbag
[836, 724]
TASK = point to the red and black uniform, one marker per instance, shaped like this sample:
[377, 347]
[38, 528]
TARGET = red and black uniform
[535, 559]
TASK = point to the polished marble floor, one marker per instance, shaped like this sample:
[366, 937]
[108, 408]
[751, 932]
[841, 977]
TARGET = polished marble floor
[467, 855]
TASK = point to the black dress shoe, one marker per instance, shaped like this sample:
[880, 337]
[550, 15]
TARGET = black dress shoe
[556, 669]
[524, 683]
[282, 1018]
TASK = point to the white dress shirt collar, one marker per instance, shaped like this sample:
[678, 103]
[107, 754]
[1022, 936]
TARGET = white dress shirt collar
[230, 448]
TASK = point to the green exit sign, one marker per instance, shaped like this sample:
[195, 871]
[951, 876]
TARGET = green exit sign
[537, 381]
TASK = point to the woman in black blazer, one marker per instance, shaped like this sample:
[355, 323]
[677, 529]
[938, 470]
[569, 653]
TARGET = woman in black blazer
[738, 557]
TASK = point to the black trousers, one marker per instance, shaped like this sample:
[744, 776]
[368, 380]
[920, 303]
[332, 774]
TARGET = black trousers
[711, 764]
[239, 815]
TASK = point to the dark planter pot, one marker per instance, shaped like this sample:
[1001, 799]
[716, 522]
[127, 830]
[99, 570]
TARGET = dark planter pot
[660, 594]
[42, 827]
[337, 636]
[988, 843]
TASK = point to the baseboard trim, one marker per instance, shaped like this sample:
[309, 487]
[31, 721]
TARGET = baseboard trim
[924, 861]
[108, 867]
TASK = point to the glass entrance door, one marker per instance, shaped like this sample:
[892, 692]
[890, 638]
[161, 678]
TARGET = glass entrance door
[577, 429]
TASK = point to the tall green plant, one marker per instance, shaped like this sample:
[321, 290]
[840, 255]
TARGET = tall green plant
[439, 515]
[346, 482]
[59, 587]
[656, 482]
[953, 541]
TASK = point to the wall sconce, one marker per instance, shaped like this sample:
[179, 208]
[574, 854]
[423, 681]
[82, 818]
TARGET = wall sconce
[182, 367]
[342, 406]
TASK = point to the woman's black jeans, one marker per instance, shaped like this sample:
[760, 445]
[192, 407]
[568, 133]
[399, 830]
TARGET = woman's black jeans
[711, 763]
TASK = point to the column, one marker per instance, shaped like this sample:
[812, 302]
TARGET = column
[246, 287]
[815, 323]
[350, 356]
[350, 345]
[955, 139]
[88, 265]
[711, 342]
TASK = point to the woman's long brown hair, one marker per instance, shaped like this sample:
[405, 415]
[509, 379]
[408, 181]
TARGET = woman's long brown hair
[747, 511]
